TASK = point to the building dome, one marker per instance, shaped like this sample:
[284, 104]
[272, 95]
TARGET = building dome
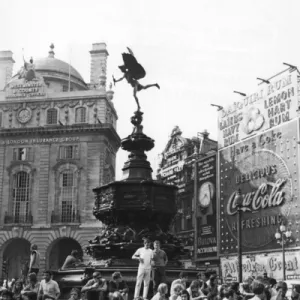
[57, 74]
[51, 64]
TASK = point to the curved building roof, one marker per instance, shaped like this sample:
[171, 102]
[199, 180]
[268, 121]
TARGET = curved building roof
[56, 65]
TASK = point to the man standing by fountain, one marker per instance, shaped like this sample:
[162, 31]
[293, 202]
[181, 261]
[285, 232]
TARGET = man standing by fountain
[144, 255]
[160, 261]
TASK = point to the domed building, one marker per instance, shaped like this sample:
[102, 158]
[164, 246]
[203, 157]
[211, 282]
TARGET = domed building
[58, 141]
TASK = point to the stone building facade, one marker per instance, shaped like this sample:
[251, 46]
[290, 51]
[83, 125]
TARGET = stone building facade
[58, 141]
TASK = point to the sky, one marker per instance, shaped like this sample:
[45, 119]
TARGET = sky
[198, 51]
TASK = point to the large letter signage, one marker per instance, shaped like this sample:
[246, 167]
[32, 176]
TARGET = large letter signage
[273, 104]
[257, 264]
[265, 168]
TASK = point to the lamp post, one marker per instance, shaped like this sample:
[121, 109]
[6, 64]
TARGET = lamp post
[196, 153]
[283, 237]
[239, 204]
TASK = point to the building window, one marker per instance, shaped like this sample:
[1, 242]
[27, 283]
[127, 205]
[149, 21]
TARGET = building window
[68, 209]
[80, 115]
[52, 116]
[68, 152]
[22, 154]
[66, 88]
[20, 194]
[189, 224]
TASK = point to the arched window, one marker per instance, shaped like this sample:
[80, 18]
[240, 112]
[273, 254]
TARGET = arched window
[20, 194]
[68, 196]
[52, 116]
[80, 115]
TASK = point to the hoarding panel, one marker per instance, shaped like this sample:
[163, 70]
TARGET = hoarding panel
[273, 104]
[207, 224]
[257, 264]
[265, 168]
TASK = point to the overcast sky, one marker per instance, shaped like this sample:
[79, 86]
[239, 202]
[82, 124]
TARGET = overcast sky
[198, 51]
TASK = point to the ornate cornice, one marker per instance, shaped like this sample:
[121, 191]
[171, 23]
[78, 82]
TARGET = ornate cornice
[66, 162]
[21, 165]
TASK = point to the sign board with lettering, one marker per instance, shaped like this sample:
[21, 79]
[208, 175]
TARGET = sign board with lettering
[265, 169]
[20, 89]
[257, 264]
[53, 140]
[207, 233]
[273, 104]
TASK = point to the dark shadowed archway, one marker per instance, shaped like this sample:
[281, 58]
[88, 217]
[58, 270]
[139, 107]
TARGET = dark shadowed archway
[59, 250]
[16, 254]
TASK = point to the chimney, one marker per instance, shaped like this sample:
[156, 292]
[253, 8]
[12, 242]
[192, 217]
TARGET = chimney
[6, 67]
[204, 134]
[98, 65]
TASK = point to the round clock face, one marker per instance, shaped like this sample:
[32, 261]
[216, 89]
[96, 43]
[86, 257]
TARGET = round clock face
[206, 192]
[24, 115]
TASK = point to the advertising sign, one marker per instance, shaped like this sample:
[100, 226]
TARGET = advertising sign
[29, 89]
[258, 264]
[207, 233]
[273, 104]
[265, 169]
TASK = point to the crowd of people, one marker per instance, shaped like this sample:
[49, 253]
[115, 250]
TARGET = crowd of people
[31, 288]
[207, 286]
[152, 263]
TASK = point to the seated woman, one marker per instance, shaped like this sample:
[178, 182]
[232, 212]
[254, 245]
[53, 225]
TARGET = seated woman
[75, 294]
[16, 290]
[162, 290]
[117, 284]
[195, 291]
[178, 288]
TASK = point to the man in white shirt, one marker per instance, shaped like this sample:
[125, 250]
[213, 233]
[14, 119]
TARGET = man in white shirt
[144, 256]
[49, 289]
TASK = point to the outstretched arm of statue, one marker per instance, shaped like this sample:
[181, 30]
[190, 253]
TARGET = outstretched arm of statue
[117, 80]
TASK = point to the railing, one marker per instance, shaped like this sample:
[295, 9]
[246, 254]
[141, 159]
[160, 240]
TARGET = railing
[18, 219]
[73, 217]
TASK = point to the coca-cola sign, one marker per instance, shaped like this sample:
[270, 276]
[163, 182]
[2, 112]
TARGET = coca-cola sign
[265, 169]
[259, 199]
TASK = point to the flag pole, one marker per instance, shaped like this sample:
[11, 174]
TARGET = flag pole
[69, 87]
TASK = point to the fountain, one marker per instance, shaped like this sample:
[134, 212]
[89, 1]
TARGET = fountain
[131, 209]
[135, 208]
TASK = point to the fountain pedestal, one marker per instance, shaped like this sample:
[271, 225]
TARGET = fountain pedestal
[134, 208]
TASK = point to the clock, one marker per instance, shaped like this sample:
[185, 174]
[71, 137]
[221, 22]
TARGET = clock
[206, 193]
[24, 115]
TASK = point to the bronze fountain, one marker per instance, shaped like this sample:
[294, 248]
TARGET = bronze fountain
[131, 209]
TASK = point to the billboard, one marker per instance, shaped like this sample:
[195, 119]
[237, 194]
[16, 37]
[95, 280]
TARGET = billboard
[206, 212]
[265, 168]
[257, 264]
[273, 104]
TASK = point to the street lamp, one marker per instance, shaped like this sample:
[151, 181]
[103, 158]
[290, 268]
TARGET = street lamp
[196, 154]
[282, 236]
[239, 204]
